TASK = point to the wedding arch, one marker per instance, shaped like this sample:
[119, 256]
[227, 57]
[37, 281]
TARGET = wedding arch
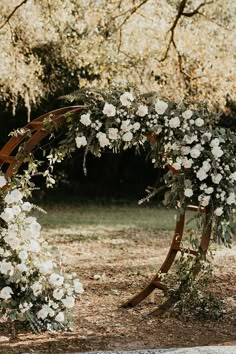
[185, 138]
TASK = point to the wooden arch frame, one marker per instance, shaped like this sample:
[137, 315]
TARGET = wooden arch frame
[37, 132]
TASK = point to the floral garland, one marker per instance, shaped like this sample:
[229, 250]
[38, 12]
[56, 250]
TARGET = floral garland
[185, 137]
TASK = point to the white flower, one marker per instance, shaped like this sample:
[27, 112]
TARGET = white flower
[56, 279]
[136, 126]
[13, 197]
[217, 151]
[190, 139]
[187, 114]
[85, 119]
[102, 138]
[174, 122]
[209, 190]
[16, 210]
[68, 301]
[6, 267]
[188, 192]
[109, 110]
[206, 166]
[6, 293]
[187, 163]
[201, 174]
[80, 141]
[7, 215]
[37, 288]
[126, 98]
[231, 198]
[206, 137]
[46, 267]
[113, 133]
[176, 166]
[125, 125]
[78, 286]
[58, 294]
[44, 312]
[233, 176]
[22, 267]
[27, 206]
[199, 122]
[127, 136]
[161, 107]
[23, 255]
[204, 199]
[60, 317]
[13, 240]
[34, 246]
[142, 110]
[215, 142]
[216, 178]
[195, 153]
[185, 150]
[218, 211]
[3, 181]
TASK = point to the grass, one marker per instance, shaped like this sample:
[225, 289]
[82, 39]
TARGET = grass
[65, 215]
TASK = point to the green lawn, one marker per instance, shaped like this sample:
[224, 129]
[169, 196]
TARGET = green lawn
[64, 215]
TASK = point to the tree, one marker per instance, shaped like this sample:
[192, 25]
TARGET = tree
[178, 48]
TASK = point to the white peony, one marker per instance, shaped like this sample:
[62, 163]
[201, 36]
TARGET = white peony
[6, 293]
[85, 119]
[37, 288]
[199, 122]
[68, 301]
[60, 317]
[127, 136]
[103, 140]
[80, 141]
[126, 98]
[161, 107]
[187, 114]
[109, 110]
[188, 192]
[56, 279]
[174, 122]
[113, 133]
[3, 181]
[218, 211]
[13, 197]
[142, 110]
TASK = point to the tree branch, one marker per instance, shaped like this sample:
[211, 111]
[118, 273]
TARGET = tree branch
[12, 13]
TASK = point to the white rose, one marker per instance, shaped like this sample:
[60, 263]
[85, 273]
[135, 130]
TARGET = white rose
[161, 107]
[233, 176]
[206, 137]
[7, 215]
[27, 206]
[113, 133]
[13, 197]
[218, 211]
[109, 110]
[56, 279]
[58, 294]
[102, 138]
[127, 136]
[46, 267]
[204, 199]
[216, 178]
[206, 166]
[85, 119]
[34, 246]
[44, 312]
[176, 166]
[195, 153]
[60, 317]
[201, 174]
[190, 139]
[68, 301]
[136, 126]
[209, 190]
[3, 181]
[23, 255]
[199, 122]
[174, 122]
[80, 141]
[187, 114]
[125, 125]
[22, 267]
[78, 286]
[187, 163]
[6, 293]
[37, 288]
[217, 151]
[215, 142]
[142, 110]
[126, 98]
[6, 267]
[185, 150]
[188, 192]
[231, 198]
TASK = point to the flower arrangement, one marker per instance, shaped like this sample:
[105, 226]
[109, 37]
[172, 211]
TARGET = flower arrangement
[32, 287]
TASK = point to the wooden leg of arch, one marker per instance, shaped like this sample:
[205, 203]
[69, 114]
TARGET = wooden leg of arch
[156, 281]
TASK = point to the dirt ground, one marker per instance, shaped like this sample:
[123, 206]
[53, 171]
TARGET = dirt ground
[113, 265]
